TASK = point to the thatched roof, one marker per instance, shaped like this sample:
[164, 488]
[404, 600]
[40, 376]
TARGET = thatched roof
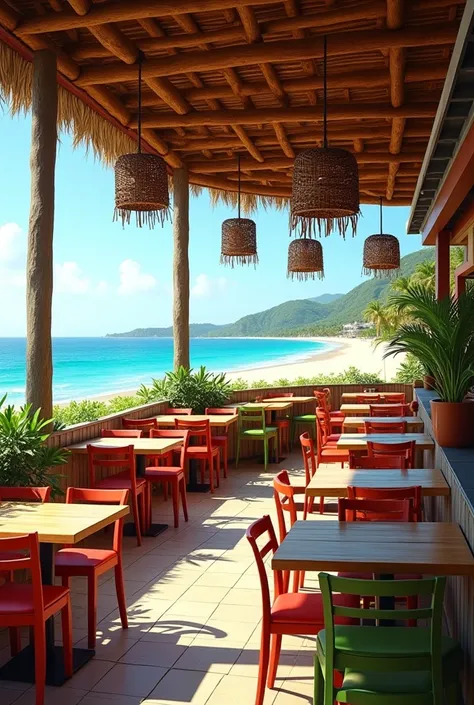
[220, 81]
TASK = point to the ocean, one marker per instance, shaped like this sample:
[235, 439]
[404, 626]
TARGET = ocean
[85, 367]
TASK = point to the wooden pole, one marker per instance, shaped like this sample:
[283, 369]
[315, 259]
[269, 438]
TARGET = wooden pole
[181, 268]
[39, 266]
[443, 272]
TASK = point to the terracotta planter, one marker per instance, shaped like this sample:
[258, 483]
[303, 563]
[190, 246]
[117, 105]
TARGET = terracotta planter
[428, 382]
[453, 423]
[417, 383]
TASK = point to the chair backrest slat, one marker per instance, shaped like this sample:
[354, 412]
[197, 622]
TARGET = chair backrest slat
[113, 457]
[413, 493]
[284, 495]
[388, 427]
[145, 425]
[264, 528]
[388, 462]
[221, 411]
[177, 412]
[382, 410]
[77, 495]
[25, 494]
[173, 433]
[368, 398]
[309, 456]
[121, 433]
[375, 510]
[404, 450]
[251, 417]
[197, 429]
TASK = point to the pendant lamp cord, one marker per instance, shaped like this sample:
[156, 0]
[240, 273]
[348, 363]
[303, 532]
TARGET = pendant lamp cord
[381, 226]
[140, 60]
[325, 93]
[238, 168]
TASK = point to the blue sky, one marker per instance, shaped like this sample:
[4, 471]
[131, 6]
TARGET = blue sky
[110, 279]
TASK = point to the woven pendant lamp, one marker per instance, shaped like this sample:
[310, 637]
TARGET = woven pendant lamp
[239, 237]
[141, 181]
[325, 186]
[305, 259]
[381, 253]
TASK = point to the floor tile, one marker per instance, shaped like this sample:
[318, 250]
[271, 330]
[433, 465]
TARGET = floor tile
[238, 690]
[211, 659]
[89, 675]
[126, 679]
[53, 696]
[184, 688]
[156, 654]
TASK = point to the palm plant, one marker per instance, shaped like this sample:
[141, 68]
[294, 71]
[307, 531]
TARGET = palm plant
[425, 275]
[376, 313]
[188, 388]
[441, 336]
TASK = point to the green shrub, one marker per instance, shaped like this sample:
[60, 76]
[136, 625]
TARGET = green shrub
[410, 370]
[79, 412]
[118, 404]
[25, 460]
[189, 389]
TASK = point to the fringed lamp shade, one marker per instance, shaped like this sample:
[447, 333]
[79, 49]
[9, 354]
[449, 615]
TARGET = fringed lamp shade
[325, 192]
[305, 259]
[239, 242]
[141, 186]
[381, 255]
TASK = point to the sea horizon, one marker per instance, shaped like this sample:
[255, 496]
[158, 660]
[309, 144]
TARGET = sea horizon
[92, 366]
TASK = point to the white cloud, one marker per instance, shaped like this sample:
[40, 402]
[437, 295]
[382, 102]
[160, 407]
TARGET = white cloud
[12, 244]
[69, 279]
[102, 287]
[133, 280]
[205, 286]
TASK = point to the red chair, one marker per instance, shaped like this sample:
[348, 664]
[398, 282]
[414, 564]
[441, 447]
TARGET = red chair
[144, 425]
[177, 412]
[120, 433]
[207, 453]
[323, 417]
[326, 450]
[404, 450]
[381, 462]
[222, 441]
[284, 496]
[394, 397]
[172, 475]
[385, 427]
[374, 510]
[412, 493]
[101, 457]
[336, 418]
[31, 605]
[91, 563]
[382, 410]
[290, 613]
[368, 399]
[309, 460]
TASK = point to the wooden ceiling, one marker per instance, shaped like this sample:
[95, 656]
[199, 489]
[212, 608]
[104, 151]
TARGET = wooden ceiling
[223, 77]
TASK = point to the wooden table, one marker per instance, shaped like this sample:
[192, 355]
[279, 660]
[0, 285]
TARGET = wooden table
[352, 396]
[334, 483]
[374, 547]
[352, 423]
[56, 523]
[267, 405]
[293, 400]
[215, 420]
[362, 409]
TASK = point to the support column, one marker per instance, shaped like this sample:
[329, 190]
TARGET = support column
[443, 272]
[39, 266]
[181, 268]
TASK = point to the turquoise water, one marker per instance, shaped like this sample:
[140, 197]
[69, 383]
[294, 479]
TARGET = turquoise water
[85, 367]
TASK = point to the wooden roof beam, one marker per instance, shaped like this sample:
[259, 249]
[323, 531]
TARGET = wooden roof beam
[290, 50]
[169, 94]
[283, 140]
[282, 115]
[247, 142]
[82, 7]
[395, 18]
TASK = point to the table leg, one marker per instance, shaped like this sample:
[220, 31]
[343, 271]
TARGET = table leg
[152, 530]
[22, 667]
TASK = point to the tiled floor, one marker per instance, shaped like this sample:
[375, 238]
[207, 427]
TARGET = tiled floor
[194, 613]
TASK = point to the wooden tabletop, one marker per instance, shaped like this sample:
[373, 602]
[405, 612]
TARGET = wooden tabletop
[414, 423]
[334, 483]
[141, 446]
[362, 409]
[349, 396]
[57, 522]
[358, 441]
[267, 405]
[292, 400]
[374, 547]
[215, 420]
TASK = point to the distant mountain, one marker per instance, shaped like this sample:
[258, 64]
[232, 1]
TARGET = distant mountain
[319, 315]
[326, 298]
[196, 330]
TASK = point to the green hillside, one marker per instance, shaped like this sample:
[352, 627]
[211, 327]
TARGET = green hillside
[292, 316]
[196, 330]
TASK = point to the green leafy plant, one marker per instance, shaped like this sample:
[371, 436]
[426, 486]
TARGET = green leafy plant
[410, 370]
[79, 412]
[189, 389]
[440, 334]
[122, 403]
[25, 460]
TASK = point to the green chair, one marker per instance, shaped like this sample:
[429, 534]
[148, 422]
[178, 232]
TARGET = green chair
[386, 665]
[247, 429]
[304, 420]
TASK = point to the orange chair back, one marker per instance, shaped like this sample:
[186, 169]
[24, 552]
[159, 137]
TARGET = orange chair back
[322, 399]
[412, 493]
[198, 429]
[145, 425]
[380, 462]
[375, 510]
[394, 397]
[264, 527]
[309, 456]
[368, 398]
[388, 411]
[284, 496]
[222, 411]
[173, 433]
[25, 494]
[404, 450]
[121, 433]
[117, 458]
[381, 427]
[177, 412]
[78, 495]
[323, 424]
[29, 545]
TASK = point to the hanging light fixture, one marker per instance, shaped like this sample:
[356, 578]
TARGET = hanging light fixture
[381, 253]
[325, 185]
[239, 237]
[141, 180]
[305, 259]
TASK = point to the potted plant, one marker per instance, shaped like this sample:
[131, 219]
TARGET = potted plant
[441, 336]
[25, 460]
[187, 388]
